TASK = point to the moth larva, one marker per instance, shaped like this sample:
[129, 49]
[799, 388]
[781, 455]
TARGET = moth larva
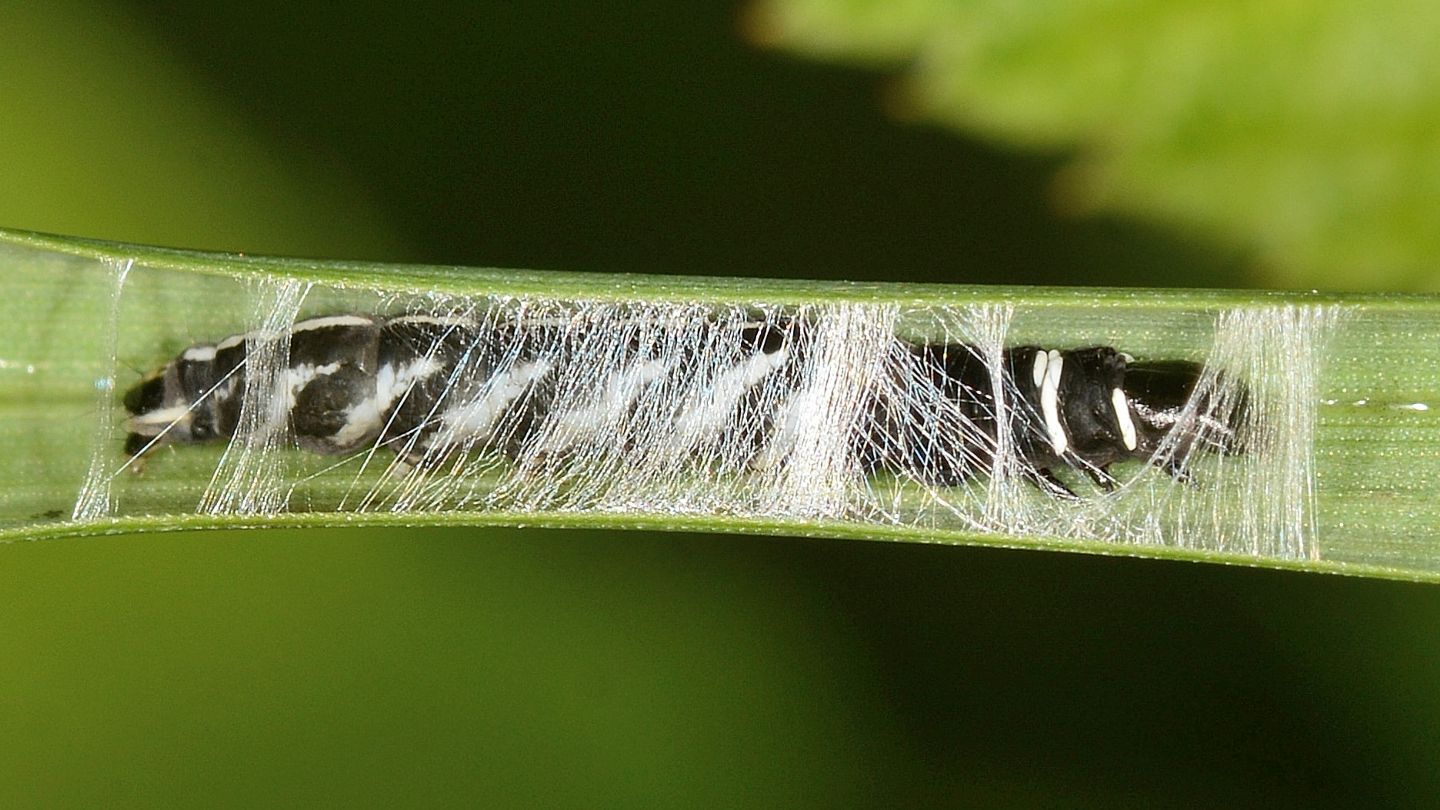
[429, 386]
[947, 414]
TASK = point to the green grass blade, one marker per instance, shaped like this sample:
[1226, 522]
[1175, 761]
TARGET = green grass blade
[1362, 468]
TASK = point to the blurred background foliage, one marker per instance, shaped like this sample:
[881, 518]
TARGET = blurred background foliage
[1301, 132]
[1134, 143]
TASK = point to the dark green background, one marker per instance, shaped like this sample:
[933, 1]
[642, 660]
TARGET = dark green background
[610, 669]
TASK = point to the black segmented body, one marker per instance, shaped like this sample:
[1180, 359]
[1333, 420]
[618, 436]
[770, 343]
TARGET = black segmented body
[1104, 409]
[424, 385]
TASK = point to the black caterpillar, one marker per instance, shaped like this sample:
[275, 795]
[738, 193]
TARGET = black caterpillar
[429, 386]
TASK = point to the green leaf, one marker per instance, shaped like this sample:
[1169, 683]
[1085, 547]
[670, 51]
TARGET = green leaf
[69, 342]
[1302, 133]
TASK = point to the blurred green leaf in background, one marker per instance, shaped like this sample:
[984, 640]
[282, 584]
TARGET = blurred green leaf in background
[518, 668]
[1307, 134]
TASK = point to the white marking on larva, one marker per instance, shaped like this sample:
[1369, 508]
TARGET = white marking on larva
[391, 383]
[152, 423]
[1038, 372]
[708, 410]
[310, 324]
[621, 389]
[199, 354]
[1122, 415]
[300, 376]
[364, 418]
[797, 418]
[476, 417]
[361, 421]
[232, 341]
[1050, 404]
[260, 336]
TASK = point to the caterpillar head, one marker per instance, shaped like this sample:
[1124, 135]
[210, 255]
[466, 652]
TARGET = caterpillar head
[163, 406]
[1097, 407]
